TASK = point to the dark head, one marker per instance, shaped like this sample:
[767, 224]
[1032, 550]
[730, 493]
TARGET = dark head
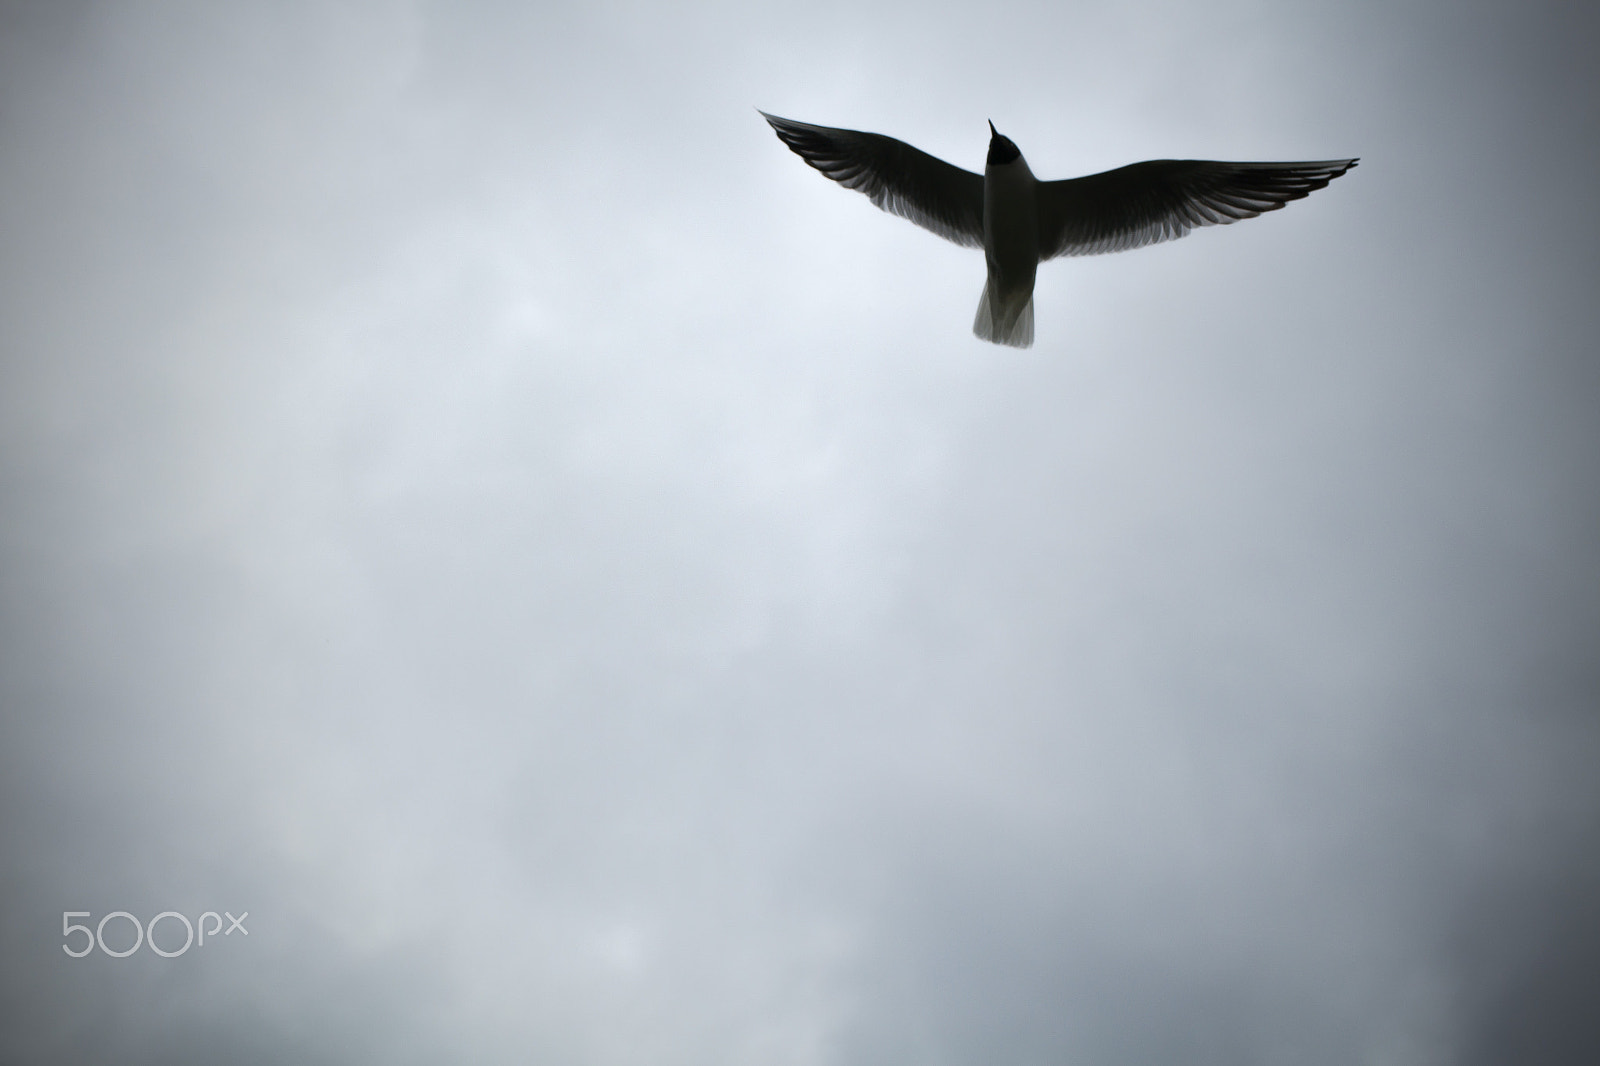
[1001, 150]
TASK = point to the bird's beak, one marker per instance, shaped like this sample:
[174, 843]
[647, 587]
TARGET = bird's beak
[992, 131]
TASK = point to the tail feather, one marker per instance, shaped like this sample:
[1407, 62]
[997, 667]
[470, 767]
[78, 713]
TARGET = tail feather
[994, 324]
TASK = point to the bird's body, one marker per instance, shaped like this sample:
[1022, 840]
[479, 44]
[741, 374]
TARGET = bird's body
[1010, 248]
[1020, 221]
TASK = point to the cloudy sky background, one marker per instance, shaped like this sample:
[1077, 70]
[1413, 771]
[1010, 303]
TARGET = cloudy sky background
[470, 497]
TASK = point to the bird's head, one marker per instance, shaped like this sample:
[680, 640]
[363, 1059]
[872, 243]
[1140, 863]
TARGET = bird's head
[1001, 150]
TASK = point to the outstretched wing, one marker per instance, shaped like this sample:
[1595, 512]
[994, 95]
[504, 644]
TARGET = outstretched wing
[1164, 199]
[894, 176]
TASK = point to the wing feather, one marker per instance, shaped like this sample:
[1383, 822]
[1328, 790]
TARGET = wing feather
[898, 178]
[1165, 198]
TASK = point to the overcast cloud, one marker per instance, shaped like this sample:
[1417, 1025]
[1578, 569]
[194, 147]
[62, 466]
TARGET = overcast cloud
[471, 498]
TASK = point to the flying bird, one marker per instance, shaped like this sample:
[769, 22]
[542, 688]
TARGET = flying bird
[1020, 221]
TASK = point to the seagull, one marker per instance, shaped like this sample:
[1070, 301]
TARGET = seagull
[1020, 221]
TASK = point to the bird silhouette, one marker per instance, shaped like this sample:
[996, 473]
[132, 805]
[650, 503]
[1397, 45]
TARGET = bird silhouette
[1019, 221]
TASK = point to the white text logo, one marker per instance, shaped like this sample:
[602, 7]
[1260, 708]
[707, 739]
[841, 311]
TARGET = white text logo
[147, 933]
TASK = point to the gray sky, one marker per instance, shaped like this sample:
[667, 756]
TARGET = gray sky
[471, 498]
